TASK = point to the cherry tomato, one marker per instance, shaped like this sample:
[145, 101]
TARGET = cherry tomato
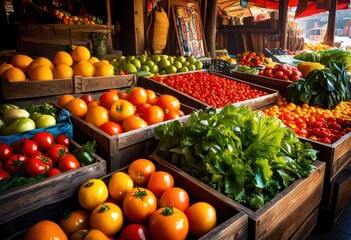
[37, 164]
[87, 98]
[45, 229]
[139, 204]
[92, 193]
[107, 217]
[73, 221]
[168, 222]
[30, 148]
[56, 152]
[15, 163]
[5, 151]
[52, 172]
[176, 197]
[68, 162]
[121, 109]
[4, 174]
[140, 171]
[111, 128]
[63, 140]
[44, 139]
[159, 182]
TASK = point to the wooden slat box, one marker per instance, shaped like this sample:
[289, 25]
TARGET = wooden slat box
[231, 223]
[197, 104]
[292, 214]
[21, 200]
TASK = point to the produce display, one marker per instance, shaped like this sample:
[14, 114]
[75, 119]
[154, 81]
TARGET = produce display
[250, 59]
[245, 155]
[69, 18]
[283, 72]
[211, 89]
[155, 209]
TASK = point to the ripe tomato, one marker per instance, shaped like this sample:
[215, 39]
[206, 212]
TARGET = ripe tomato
[92, 193]
[4, 174]
[52, 172]
[107, 217]
[77, 107]
[168, 102]
[135, 231]
[168, 222]
[159, 182]
[79, 235]
[15, 163]
[29, 148]
[97, 115]
[44, 140]
[56, 152]
[107, 98]
[173, 115]
[121, 109]
[133, 122]
[140, 171]
[63, 140]
[141, 107]
[37, 164]
[139, 204]
[68, 162]
[119, 184]
[73, 221]
[153, 114]
[176, 197]
[87, 98]
[151, 97]
[202, 218]
[137, 96]
[5, 151]
[92, 234]
[45, 229]
[111, 128]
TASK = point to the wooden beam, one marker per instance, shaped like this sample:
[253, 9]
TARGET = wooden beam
[211, 27]
[330, 34]
[283, 23]
[139, 26]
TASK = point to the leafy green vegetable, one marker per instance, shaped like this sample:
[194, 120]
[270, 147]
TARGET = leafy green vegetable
[45, 108]
[19, 179]
[244, 154]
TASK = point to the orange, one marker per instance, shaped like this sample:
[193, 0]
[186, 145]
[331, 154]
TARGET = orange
[63, 100]
[104, 70]
[14, 75]
[97, 115]
[40, 73]
[21, 61]
[40, 61]
[62, 71]
[80, 53]
[5, 66]
[77, 107]
[93, 60]
[62, 57]
[84, 69]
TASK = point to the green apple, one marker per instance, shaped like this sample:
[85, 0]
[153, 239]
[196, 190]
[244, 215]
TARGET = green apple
[45, 120]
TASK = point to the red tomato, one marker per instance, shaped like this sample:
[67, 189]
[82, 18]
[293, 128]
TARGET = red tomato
[135, 231]
[141, 107]
[30, 148]
[63, 139]
[5, 151]
[176, 197]
[168, 222]
[68, 162]
[52, 172]
[87, 98]
[17, 145]
[4, 174]
[111, 128]
[44, 140]
[172, 115]
[15, 163]
[278, 74]
[37, 164]
[294, 78]
[107, 98]
[56, 152]
[159, 182]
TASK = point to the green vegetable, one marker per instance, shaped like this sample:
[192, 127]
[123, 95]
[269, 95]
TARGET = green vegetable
[46, 108]
[18, 179]
[246, 69]
[4, 107]
[244, 154]
[85, 154]
[19, 125]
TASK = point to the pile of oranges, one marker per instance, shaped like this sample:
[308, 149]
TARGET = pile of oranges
[63, 65]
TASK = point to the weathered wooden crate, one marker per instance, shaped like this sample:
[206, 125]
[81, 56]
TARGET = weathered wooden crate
[255, 103]
[21, 200]
[119, 150]
[231, 223]
[292, 214]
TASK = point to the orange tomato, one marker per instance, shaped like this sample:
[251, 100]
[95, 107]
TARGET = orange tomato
[73, 221]
[153, 114]
[159, 182]
[173, 115]
[64, 99]
[137, 96]
[119, 184]
[139, 204]
[121, 109]
[77, 107]
[141, 107]
[111, 128]
[79, 235]
[44, 230]
[133, 122]
[97, 116]
[151, 97]
[168, 103]
[176, 197]
[107, 217]
[94, 234]
[202, 218]
[107, 98]
[140, 171]
[92, 193]
[167, 223]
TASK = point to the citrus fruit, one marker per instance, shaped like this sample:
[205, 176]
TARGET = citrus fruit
[128, 67]
[149, 63]
[104, 70]
[14, 75]
[181, 59]
[40, 73]
[63, 100]
[177, 64]
[77, 107]
[154, 69]
[40, 61]
[171, 69]
[21, 61]
[62, 57]
[121, 59]
[191, 67]
[163, 63]
[93, 60]
[62, 71]
[100, 63]
[84, 69]
[198, 65]
[136, 63]
[5, 66]
[191, 59]
[97, 115]
[156, 58]
[145, 68]
[80, 53]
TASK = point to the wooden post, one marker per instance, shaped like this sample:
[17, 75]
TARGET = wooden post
[211, 28]
[139, 26]
[109, 36]
[330, 34]
[283, 23]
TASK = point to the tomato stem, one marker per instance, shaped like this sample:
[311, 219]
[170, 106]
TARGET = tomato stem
[89, 184]
[167, 211]
[103, 208]
[140, 193]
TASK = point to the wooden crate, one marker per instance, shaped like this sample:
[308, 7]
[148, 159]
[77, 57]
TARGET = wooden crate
[291, 214]
[231, 223]
[255, 103]
[21, 200]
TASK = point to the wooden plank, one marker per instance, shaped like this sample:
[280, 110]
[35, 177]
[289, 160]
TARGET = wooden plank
[93, 84]
[306, 228]
[139, 27]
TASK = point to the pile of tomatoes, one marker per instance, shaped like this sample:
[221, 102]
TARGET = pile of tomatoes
[42, 154]
[116, 112]
[283, 72]
[252, 59]
[140, 203]
[214, 90]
